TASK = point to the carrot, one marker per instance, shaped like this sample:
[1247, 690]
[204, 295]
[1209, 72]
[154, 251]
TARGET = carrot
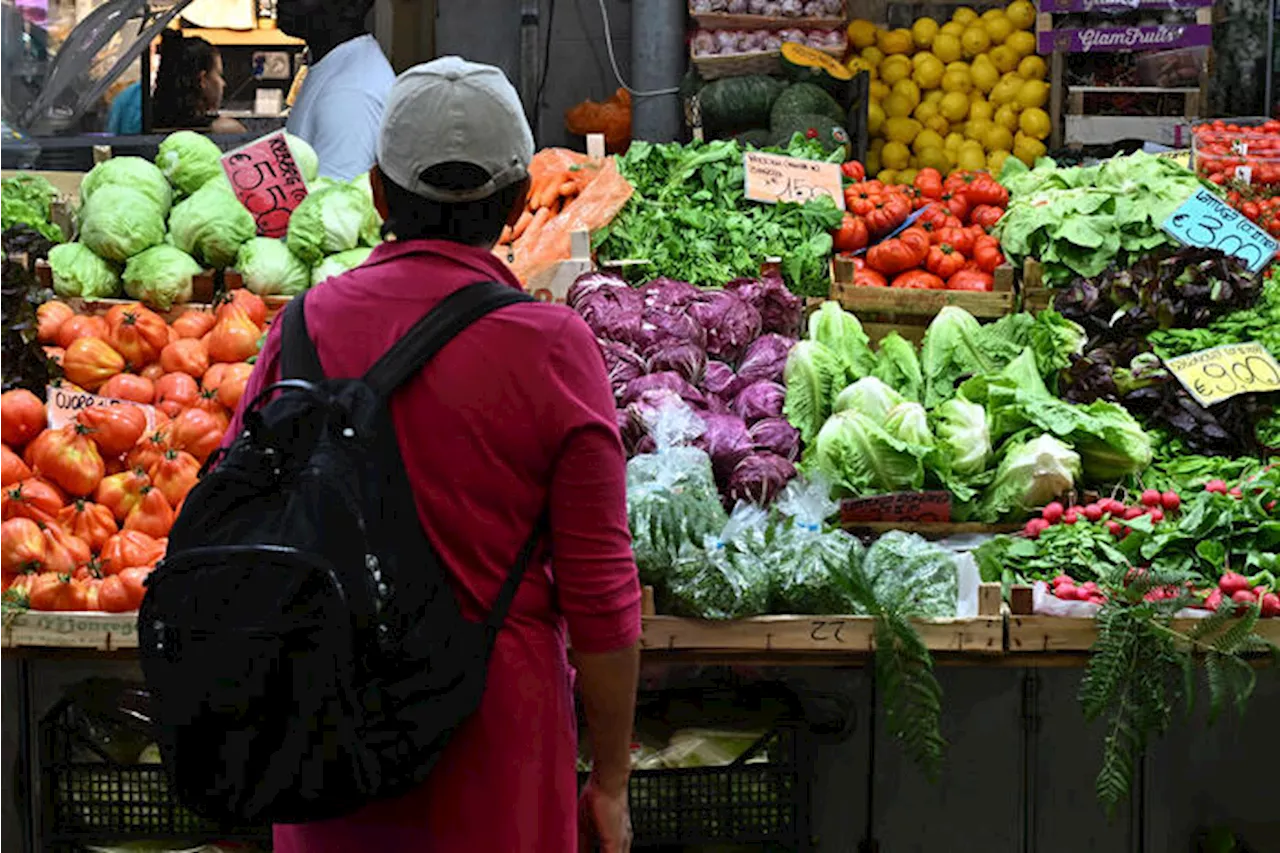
[549, 192]
[505, 237]
[521, 224]
[568, 188]
[535, 227]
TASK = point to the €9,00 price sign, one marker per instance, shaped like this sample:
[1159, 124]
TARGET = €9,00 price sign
[266, 179]
[1207, 221]
[1218, 374]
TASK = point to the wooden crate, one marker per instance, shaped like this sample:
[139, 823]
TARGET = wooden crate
[101, 631]
[203, 286]
[1061, 634]
[1036, 297]
[714, 67]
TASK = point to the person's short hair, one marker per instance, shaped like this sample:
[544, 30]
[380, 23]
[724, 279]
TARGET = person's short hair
[474, 223]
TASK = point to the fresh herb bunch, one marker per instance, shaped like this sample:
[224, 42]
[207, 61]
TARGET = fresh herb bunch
[690, 219]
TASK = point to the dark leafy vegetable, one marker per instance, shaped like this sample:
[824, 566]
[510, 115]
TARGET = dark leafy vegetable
[731, 324]
[781, 311]
[759, 400]
[776, 436]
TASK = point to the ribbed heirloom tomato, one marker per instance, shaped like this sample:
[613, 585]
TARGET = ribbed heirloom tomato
[175, 392]
[185, 355]
[22, 417]
[90, 362]
[249, 302]
[944, 260]
[12, 468]
[114, 429]
[194, 324]
[22, 548]
[51, 315]
[175, 475]
[137, 333]
[129, 386]
[120, 493]
[33, 498]
[198, 432]
[129, 549]
[235, 337]
[62, 551]
[88, 521]
[69, 459]
[231, 388]
[80, 326]
[152, 515]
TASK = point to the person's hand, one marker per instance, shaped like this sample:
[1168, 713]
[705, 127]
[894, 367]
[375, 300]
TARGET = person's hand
[604, 819]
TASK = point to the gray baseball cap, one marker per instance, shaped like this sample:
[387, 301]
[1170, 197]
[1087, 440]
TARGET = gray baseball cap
[450, 111]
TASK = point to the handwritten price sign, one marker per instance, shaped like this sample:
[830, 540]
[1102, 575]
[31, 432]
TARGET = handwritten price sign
[898, 506]
[772, 178]
[267, 182]
[1207, 221]
[1218, 374]
[64, 405]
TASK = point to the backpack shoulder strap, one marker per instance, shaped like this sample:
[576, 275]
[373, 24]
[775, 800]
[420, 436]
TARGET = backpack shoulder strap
[298, 356]
[440, 325]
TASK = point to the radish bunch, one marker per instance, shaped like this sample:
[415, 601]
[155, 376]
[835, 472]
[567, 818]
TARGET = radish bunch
[1114, 513]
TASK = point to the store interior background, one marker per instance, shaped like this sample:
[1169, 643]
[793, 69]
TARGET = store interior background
[1021, 764]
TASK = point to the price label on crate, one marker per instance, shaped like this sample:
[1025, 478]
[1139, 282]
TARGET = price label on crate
[900, 506]
[1218, 374]
[64, 405]
[772, 178]
[266, 179]
[1207, 221]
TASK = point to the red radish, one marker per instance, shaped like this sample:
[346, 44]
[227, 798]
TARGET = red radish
[1089, 586]
[1219, 486]
[1061, 579]
[1052, 513]
[1236, 493]
[1214, 600]
[1232, 582]
[1244, 596]
[1270, 604]
[1097, 599]
[1131, 513]
[1035, 527]
[1070, 516]
[1150, 497]
[1170, 501]
[1093, 512]
[1066, 592]
[1157, 514]
[1114, 528]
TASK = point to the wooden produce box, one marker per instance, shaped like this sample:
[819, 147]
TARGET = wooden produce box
[203, 286]
[101, 631]
[1036, 297]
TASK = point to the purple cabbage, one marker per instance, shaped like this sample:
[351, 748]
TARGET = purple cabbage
[621, 363]
[720, 381]
[727, 442]
[668, 294]
[766, 358]
[659, 328]
[759, 478]
[665, 381]
[731, 324]
[613, 313]
[686, 359]
[759, 400]
[781, 311]
[776, 436]
[589, 283]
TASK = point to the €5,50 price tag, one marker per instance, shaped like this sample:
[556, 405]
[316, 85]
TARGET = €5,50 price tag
[1218, 374]
[772, 178]
[266, 179]
[1207, 221]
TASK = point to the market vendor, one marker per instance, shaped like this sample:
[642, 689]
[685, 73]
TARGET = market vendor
[339, 107]
[188, 87]
[513, 421]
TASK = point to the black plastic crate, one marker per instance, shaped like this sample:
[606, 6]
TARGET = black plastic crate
[95, 792]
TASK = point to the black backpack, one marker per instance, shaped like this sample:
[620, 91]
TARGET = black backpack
[304, 650]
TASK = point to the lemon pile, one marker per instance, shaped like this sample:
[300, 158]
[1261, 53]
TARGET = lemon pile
[966, 94]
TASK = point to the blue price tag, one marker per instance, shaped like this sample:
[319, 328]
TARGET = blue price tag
[1207, 221]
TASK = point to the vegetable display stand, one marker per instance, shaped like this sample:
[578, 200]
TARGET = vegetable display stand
[203, 288]
[105, 632]
[728, 21]
[713, 66]
[909, 312]
[1173, 46]
[1035, 296]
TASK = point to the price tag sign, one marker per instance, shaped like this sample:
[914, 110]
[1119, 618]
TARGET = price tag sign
[1207, 221]
[267, 182]
[899, 506]
[771, 178]
[64, 405]
[1218, 374]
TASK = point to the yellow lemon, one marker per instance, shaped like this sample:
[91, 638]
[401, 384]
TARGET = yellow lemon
[971, 157]
[928, 74]
[997, 26]
[907, 176]
[872, 162]
[872, 55]
[964, 16]
[954, 106]
[923, 31]
[1034, 122]
[924, 112]
[958, 66]
[855, 64]
[952, 142]
[974, 41]
[957, 82]
[934, 96]
[947, 47]
[897, 105]
[1032, 68]
[1033, 93]
[960, 127]
[934, 158]
[894, 41]
[908, 89]
[940, 124]
[895, 155]
[1022, 43]
[985, 75]
[876, 145]
[975, 129]
[1021, 13]
[951, 28]
[1006, 91]
[895, 68]
[1007, 117]
[1003, 58]
[997, 138]
[875, 117]
[981, 110]
[879, 90]
[901, 129]
[887, 176]
[1026, 149]
[995, 161]
[862, 33]
[926, 139]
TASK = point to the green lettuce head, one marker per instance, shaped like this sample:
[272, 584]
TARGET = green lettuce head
[270, 269]
[305, 156]
[132, 172]
[78, 272]
[211, 225]
[1031, 474]
[119, 222]
[332, 220]
[189, 160]
[339, 263]
[160, 276]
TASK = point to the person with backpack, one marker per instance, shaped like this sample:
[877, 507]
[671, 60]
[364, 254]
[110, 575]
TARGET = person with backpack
[359, 630]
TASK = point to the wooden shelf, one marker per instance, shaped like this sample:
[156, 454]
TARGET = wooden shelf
[1060, 634]
[104, 632]
[244, 38]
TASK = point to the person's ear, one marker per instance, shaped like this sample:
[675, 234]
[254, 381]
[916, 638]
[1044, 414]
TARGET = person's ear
[379, 191]
[522, 197]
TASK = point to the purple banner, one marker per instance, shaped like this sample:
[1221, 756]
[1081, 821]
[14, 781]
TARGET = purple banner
[1126, 39]
[1117, 6]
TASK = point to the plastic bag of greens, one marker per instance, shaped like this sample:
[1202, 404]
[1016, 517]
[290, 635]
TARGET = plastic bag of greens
[908, 568]
[809, 560]
[672, 502]
[729, 577]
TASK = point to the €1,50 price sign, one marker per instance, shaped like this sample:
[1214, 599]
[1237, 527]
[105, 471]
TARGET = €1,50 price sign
[1218, 374]
[1207, 221]
[266, 179]
[772, 178]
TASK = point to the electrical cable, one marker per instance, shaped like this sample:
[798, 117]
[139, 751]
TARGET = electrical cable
[546, 70]
[608, 43]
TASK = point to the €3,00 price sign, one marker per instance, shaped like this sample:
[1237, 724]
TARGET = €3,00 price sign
[266, 179]
[1207, 221]
[1218, 374]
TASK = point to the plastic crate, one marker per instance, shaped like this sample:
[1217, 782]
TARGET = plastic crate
[89, 796]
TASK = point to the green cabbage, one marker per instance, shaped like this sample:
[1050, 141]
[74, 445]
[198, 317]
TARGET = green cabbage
[211, 225]
[132, 172]
[270, 269]
[305, 156]
[160, 276]
[119, 222]
[868, 396]
[332, 220]
[77, 271]
[189, 160]
[339, 263]
[860, 457]
[1031, 474]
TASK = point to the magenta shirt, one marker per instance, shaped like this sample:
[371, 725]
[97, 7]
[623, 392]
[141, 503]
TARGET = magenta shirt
[513, 417]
